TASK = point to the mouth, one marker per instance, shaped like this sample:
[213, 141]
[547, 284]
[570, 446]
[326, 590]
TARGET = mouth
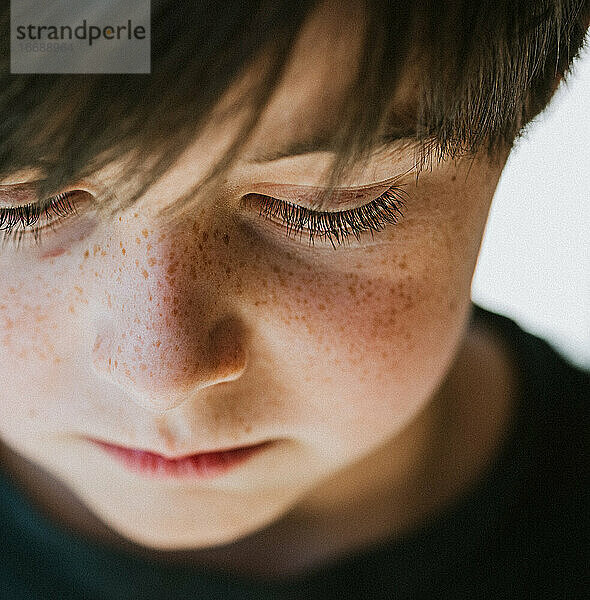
[205, 465]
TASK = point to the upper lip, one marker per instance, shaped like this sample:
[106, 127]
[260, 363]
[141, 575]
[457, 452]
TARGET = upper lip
[177, 456]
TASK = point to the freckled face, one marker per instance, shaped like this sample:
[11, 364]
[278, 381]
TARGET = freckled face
[220, 332]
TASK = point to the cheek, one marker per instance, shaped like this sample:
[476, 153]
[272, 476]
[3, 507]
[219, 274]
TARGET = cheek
[357, 356]
[36, 347]
[369, 342]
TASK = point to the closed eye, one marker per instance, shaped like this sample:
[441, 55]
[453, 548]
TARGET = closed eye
[333, 226]
[33, 219]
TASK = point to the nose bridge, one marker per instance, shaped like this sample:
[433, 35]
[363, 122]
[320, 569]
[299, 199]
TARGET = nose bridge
[164, 331]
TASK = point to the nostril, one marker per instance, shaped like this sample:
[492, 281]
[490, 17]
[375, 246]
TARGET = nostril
[227, 350]
[173, 371]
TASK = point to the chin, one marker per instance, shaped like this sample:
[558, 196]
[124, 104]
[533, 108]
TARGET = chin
[151, 540]
[157, 537]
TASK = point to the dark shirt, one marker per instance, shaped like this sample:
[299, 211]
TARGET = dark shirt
[520, 531]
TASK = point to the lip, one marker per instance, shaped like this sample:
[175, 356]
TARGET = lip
[205, 465]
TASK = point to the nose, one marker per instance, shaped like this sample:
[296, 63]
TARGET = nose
[165, 337]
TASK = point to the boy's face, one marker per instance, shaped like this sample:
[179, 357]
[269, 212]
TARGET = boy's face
[224, 332]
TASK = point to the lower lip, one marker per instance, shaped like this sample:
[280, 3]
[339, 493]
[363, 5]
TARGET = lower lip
[196, 466]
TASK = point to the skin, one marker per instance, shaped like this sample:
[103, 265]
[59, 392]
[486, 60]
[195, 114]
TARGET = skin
[221, 332]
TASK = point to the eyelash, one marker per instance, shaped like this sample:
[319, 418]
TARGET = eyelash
[336, 227]
[19, 221]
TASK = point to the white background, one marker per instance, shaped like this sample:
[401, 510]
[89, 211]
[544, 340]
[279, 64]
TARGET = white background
[534, 264]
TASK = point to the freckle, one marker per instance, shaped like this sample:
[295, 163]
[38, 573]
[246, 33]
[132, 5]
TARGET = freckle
[135, 215]
[116, 364]
[322, 307]
[96, 273]
[150, 297]
[119, 219]
[95, 250]
[151, 261]
[137, 240]
[144, 273]
[453, 178]
[119, 349]
[86, 254]
[149, 247]
[123, 251]
[143, 366]
[136, 263]
[110, 359]
[162, 237]
[157, 344]
[103, 253]
[144, 233]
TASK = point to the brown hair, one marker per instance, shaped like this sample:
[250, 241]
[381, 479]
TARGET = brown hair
[488, 68]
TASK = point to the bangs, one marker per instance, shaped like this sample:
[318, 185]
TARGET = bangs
[481, 71]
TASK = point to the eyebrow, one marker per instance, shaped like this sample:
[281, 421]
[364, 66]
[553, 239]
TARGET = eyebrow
[324, 143]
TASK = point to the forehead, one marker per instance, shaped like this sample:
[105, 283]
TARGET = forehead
[307, 103]
[308, 100]
[321, 67]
